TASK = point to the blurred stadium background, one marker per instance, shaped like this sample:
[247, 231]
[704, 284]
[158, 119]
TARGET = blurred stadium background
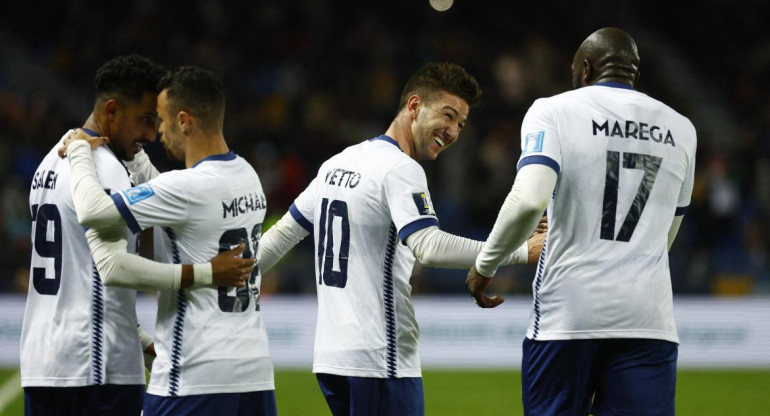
[306, 78]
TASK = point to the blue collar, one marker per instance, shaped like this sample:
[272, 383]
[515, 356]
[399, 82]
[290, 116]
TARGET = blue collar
[222, 157]
[615, 85]
[387, 139]
[90, 132]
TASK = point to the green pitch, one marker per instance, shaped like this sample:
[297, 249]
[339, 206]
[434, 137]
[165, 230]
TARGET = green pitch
[480, 393]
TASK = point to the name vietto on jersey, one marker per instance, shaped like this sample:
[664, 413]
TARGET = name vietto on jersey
[208, 339]
[360, 208]
[626, 165]
[76, 332]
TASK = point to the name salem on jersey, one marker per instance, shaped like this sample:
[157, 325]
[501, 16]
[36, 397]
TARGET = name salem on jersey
[633, 130]
[45, 179]
[244, 204]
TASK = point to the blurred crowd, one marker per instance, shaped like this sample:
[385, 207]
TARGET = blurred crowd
[306, 78]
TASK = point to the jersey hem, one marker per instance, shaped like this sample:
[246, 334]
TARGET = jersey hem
[213, 389]
[565, 336]
[360, 372]
[78, 381]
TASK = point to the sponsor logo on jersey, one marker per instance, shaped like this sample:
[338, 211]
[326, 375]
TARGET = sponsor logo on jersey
[138, 193]
[630, 129]
[423, 203]
[533, 142]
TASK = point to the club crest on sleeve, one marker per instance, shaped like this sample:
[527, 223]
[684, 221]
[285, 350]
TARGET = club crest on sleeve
[423, 203]
[138, 193]
[533, 142]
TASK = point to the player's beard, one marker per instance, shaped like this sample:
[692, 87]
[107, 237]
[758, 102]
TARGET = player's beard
[173, 152]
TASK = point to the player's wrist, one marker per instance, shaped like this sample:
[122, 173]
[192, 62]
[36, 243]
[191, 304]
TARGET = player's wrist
[203, 274]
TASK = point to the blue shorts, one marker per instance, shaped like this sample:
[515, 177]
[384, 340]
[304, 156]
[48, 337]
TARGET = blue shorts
[253, 403]
[618, 377]
[106, 399]
[365, 396]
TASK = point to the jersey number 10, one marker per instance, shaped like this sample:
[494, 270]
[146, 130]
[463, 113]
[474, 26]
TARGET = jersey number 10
[326, 273]
[650, 165]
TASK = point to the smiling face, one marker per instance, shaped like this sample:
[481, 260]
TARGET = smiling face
[437, 123]
[133, 126]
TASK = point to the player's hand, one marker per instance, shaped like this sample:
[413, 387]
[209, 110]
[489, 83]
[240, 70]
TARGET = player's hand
[535, 247]
[79, 134]
[542, 226]
[149, 356]
[229, 269]
[477, 285]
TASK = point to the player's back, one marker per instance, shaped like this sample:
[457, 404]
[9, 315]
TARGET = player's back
[76, 332]
[209, 339]
[366, 324]
[626, 164]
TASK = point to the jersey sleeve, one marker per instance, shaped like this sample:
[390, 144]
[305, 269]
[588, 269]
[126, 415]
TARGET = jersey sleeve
[539, 138]
[683, 202]
[163, 201]
[303, 208]
[408, 199]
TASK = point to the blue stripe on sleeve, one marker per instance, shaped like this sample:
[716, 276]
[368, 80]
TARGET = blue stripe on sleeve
[417, 225]
[539, 160]
[680, 211]
[301, 220]
[128, 217]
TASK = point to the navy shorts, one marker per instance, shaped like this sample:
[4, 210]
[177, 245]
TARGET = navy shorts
[107, 399]
[253, 403]
[618, 377]
[365, 396]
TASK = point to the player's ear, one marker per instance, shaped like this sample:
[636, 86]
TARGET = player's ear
[413, 104]
[587, 73]
[111, 108]
[185, 121]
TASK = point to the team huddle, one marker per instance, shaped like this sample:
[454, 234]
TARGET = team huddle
[601, 338]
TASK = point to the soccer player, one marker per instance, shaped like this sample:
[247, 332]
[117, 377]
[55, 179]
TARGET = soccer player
[80, 351]
[615, 169]
[371, 214]
[210, 340]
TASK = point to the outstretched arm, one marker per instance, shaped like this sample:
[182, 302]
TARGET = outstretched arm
[519, 215]
[278, 240]
[107, 239]
[436, 248]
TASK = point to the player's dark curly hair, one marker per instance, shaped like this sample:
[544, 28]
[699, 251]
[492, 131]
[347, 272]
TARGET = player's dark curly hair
[444, 76]
[198, 92]
[129, 76]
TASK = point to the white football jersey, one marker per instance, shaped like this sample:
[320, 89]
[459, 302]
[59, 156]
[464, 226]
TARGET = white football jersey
[626, 164]
[76, 331]
[208, 339]
[360, 208]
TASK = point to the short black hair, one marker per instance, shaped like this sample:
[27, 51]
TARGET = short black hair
[129, 76]
[443, 76]
[197, 91]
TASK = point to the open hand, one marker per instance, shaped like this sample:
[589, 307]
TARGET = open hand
[79, 134]
[230, 270]
[478, 285]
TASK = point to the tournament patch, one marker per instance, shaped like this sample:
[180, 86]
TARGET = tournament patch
[423, 203]
[533, 142]
[138, 193]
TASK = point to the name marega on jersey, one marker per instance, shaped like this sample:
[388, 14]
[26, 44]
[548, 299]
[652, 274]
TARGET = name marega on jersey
[633, 130]
[244, 204]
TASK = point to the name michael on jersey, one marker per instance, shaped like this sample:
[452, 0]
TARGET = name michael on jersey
[244, 204]
[633, 130]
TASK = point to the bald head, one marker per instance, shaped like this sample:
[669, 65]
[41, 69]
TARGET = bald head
[609, 54]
